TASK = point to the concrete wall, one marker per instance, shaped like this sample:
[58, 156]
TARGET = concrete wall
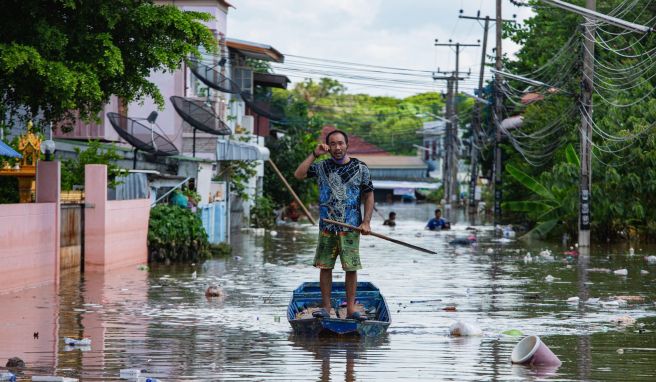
[116, 231]
[29, 238]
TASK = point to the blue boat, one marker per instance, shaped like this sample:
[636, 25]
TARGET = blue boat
[308, 295]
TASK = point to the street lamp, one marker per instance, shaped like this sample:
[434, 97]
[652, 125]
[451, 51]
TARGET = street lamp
[48, 148]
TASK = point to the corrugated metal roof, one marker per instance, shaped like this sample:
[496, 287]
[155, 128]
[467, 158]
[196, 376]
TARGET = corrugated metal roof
[233, 150]
[392, 161]
[7, 151]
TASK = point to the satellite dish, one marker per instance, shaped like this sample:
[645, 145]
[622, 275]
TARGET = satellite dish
[141, 137]
[263, 108]
[200, 117]
[212, 77]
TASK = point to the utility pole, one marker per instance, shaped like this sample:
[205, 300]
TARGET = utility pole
[477, 112]
[586, 130]
[451, 136]
[498, 105]
[449, 165]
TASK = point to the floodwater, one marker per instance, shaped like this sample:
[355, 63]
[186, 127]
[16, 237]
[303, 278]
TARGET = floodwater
[160, 321]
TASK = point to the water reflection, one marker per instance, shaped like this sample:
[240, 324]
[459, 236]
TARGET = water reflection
[339, 356]
[160, 320]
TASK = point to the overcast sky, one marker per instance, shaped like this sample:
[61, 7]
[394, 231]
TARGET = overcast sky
[395, 34]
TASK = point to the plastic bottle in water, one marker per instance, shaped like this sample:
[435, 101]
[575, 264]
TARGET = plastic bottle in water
[7, 377]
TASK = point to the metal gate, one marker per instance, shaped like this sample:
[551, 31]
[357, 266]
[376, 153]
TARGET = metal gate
[72, 236]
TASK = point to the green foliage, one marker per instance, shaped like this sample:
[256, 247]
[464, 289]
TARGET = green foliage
[553, 204]
[238, 173]
[72, 170]
[262, 213]
[387, 122]
[57, 57]
[220, 249]
[623, 175]
[9, 190]
[436, 196]
[176, 235]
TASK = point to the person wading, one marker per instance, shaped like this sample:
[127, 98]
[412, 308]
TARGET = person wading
[344, 183]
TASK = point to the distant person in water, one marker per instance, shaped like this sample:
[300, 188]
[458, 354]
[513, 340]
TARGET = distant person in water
[291, 213]
[391, 220]
[438, 223]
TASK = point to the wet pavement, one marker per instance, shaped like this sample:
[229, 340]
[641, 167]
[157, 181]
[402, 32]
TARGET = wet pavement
[159, 320]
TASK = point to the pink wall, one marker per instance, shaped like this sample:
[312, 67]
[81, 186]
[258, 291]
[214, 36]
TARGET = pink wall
[115, 232]
[23, 314]
[91, 129]
[29, 238]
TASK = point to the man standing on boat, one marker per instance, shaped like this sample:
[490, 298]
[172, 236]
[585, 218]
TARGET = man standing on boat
[344, 183]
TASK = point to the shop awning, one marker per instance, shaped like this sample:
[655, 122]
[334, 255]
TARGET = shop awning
[404, 184]
[234, 150]
[6, 151]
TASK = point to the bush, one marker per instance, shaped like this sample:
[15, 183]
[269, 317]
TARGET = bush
[72, 170]
[262, 214]
[176, 235]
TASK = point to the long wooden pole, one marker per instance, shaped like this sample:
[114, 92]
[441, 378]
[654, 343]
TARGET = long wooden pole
[291, 191]
[381, 236]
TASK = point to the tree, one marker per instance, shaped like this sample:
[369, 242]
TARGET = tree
[62, 57]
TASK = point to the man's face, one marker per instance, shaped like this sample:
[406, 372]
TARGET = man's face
[438, 214]
[338, 147]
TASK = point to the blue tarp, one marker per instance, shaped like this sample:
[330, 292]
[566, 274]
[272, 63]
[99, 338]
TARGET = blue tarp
[6, 151]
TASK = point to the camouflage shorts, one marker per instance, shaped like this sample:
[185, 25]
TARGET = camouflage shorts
[346, 245]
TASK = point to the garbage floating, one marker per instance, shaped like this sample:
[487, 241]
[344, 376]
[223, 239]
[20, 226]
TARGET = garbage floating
[75, 342]
[532, 351]
[546, 255]
[52, 378]
[631, 251]
[549, 278]
[644, 272]
[489, 251]
[513, 333]
[623, 320]
[635, 299]
[613, 303]
[650, 259]
[621, 272]
[274, 233]
[7, 377]
[592, 301]
[528, 259]
[129, 373]
[464, 329]
[573, 300]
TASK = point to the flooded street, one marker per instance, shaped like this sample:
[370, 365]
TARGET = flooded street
[159, 320]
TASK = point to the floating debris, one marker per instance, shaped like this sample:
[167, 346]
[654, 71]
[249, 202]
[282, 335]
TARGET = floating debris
[274, 233]
[650, 259]
[194, 275]
[625, 320]
[464, 329]
[15, 362]
[75, 342]
[620, 351]
[7, 377]
[621, 272]
[644, 272]
[629, 298]
[599, 270]
[631, 251]
[528, 258]
[573, 300]
[513, 333]
[489, 251]
[449, 308]
[52, 378]
[549, 278]
[129, 373]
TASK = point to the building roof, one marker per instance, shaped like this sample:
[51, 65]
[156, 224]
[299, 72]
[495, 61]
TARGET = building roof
[357, 145]
[271, 80]
[7, 151]
[255, 50]
[392, 161]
